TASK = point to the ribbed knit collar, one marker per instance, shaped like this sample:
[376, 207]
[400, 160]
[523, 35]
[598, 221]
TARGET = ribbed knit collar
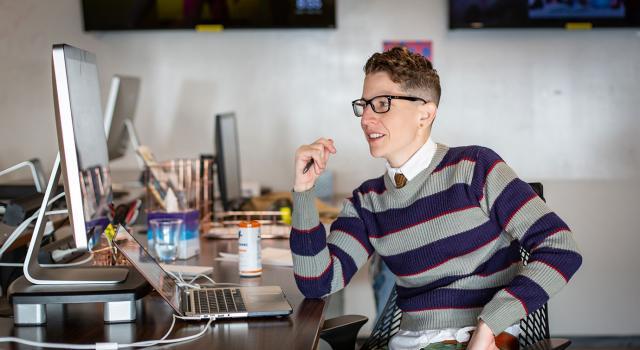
[419, 179]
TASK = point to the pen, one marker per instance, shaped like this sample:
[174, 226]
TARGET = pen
[308, 166]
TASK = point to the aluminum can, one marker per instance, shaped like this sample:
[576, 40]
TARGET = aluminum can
[249, 264]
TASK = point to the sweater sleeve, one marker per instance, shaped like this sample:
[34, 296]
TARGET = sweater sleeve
[554, 256]
[323, 265]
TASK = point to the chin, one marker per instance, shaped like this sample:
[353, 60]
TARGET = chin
[376, 152]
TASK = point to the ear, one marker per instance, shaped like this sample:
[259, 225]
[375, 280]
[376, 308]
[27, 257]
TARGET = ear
[427, 115]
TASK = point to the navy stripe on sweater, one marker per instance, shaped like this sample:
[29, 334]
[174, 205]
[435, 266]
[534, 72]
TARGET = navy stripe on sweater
[308, 242]
[515, 195]
[548, 225]
[565, 262]
[447, 298]
[390, 221]
[529, 293]
[499, 261]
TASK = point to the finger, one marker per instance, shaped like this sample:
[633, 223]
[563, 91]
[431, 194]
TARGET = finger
[327, 143]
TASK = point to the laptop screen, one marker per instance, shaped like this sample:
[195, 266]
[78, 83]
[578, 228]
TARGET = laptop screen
[149, 268]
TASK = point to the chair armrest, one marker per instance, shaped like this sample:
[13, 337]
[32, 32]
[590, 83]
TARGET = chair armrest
[341, 332]
[550, 344]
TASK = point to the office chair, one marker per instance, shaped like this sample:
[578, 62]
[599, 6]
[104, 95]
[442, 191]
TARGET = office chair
[341, 332]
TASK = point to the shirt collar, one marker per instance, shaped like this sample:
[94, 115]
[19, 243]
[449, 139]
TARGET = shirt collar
[417, 163]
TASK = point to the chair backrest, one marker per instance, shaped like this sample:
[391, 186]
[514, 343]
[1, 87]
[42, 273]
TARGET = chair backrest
[533, 328]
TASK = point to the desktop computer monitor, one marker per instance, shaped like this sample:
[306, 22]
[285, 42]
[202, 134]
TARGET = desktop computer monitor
[119, 114]
[228, 160]
[81, 140]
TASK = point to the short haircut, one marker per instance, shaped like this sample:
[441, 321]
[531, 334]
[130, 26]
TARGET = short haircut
[411, 70]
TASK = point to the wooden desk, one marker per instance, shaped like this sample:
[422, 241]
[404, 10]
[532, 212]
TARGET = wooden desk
[82, 323]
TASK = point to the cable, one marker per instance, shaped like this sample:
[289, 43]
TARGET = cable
[112, 345]
[190, 284]
[23, 225]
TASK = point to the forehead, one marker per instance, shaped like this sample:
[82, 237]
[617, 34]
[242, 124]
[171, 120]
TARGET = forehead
[379, 83]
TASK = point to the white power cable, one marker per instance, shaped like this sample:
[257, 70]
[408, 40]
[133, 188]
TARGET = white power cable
[115, 346]
[23, 225]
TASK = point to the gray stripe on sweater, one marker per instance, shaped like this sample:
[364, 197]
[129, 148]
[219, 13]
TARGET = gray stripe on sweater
[428, 232]
[560, 240]
[461, 265]
[545, 276]
[337, 280]
[439, 319]
[502, 311]
[350, 246]
[311, 266]
[527, 216]
[304, 214]
[501, 176]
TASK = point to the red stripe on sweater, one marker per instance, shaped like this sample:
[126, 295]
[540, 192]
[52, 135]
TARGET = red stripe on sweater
[526, 310]
[554, 268]
[520, 207]
[306, 231]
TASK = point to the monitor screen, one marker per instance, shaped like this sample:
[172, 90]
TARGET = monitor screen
[121, 107]
[199, 14]
[582, 14]
[228, 160]
[81, 140]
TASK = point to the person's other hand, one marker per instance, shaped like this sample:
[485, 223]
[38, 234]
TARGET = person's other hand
[482, 338]
[318, 151]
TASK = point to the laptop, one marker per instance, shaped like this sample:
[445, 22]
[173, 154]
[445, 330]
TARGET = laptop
[227, 302]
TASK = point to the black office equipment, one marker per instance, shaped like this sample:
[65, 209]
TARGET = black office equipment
[83, 163]
[207, 14]
[228, 161]
[570, 14]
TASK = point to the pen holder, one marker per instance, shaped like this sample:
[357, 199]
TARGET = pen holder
[180, 189]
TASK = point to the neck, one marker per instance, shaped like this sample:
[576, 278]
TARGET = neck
[396, 161]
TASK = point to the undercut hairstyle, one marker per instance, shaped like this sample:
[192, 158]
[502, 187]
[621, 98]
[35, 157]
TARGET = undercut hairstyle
[412, 71]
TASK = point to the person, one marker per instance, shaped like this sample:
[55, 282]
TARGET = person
[447, 221]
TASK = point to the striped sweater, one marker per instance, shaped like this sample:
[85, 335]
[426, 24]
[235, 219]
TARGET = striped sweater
[451, 236]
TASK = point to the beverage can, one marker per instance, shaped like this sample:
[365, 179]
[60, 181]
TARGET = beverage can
[249, 264]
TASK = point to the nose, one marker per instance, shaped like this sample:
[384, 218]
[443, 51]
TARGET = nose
[368, 115]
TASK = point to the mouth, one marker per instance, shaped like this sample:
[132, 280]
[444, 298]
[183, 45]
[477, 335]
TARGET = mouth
[374, 136]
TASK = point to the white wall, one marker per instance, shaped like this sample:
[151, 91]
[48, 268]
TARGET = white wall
[558, 106]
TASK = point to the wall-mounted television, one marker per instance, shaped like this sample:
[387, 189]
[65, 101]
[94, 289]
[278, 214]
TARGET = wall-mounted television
[570, 14]
[102, 15]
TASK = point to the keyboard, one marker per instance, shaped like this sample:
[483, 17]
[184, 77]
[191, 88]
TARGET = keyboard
[218, 300]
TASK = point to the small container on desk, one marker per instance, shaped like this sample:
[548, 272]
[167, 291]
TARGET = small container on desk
[180, 189]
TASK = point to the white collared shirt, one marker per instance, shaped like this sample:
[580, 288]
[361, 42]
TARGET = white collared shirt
[417, 163]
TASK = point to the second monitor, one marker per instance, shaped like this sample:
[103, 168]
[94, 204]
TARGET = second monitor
[228, 161]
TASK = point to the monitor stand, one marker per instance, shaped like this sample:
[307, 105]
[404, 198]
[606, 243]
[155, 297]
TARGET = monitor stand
[37, 274]
[117, 287]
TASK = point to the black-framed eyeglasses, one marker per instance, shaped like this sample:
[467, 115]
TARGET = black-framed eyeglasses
[379, 104]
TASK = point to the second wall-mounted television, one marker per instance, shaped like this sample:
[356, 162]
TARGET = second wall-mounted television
[102, 15]
[570, 14]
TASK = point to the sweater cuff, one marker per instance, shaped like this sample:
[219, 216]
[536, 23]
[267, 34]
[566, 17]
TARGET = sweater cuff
[502, 312]
[305, 214]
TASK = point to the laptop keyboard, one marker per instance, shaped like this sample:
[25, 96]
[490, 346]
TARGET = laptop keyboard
[218, 300]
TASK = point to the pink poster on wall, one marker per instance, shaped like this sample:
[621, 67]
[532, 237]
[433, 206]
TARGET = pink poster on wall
[422, 47]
